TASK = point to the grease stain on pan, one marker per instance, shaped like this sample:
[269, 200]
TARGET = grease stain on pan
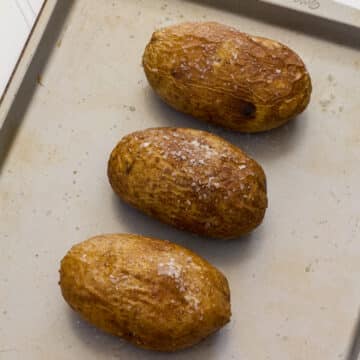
[30, 151]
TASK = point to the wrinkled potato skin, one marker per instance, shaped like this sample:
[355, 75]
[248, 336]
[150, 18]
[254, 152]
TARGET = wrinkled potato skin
[190, 179]
[155, 294]
[218, 74]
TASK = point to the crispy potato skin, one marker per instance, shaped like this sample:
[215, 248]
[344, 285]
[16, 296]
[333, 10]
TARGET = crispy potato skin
[190, 179]
[218, 74]
[155, 294]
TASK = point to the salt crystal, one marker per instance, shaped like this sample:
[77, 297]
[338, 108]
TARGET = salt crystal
[170, 269]
[113, 279]
[242, 167]
[195, 143]
[194, 301]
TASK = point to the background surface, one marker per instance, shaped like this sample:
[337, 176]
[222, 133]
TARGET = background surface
[17, 18]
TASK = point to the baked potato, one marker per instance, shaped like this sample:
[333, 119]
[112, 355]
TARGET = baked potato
[155, 294]
[190, 179]
[219, 74]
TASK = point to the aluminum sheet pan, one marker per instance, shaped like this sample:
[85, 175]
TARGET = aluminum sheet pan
[294, 281]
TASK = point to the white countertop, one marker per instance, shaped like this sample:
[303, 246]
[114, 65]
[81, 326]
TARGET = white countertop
[17, 19]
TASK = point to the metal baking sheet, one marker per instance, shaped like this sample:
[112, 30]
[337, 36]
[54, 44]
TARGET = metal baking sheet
[294, 281]
[343, 11]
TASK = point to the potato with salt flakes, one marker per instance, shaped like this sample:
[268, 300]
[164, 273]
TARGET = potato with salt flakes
[190, 179]
[153, 293]
[218, 74]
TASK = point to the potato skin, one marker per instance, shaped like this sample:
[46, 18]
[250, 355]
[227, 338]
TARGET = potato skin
[190, 179]
[153, 293]
[218, 74]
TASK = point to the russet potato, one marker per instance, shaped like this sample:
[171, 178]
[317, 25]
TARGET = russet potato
[190, 179]
[229, 78]
[155, 294]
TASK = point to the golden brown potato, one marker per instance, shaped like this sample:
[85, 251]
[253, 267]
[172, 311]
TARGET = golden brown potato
[153, 293]
[190, 179]
[218, 74]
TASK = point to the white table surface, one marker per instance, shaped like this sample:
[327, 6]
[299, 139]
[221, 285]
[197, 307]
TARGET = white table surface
[17, 18]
